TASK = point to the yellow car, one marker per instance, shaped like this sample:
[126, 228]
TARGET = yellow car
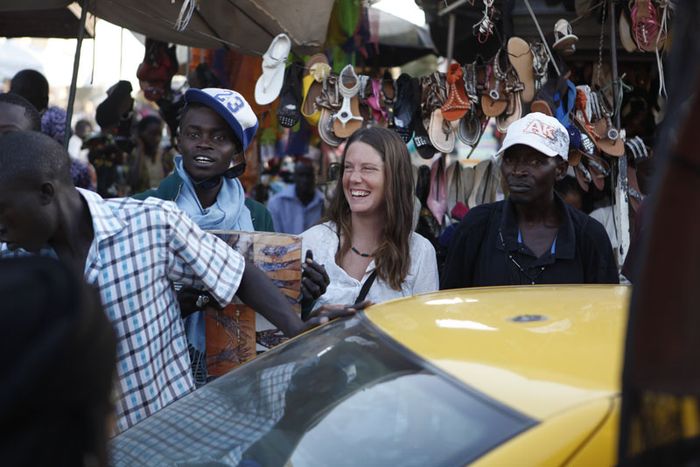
[491, 376]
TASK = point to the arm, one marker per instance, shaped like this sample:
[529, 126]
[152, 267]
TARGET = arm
[257, 291]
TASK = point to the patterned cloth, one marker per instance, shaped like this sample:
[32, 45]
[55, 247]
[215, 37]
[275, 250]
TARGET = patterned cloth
[139, 249]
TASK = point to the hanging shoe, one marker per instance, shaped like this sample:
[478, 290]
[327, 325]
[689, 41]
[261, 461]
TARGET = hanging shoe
[288, 113]
[348, 119]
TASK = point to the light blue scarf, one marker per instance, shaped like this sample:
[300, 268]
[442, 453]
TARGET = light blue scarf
[229, 212]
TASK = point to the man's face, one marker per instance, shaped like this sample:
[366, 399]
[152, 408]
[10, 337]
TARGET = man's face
[12, 118]
[529, 174]
[304, 180]
[25, 216]
[207, 143]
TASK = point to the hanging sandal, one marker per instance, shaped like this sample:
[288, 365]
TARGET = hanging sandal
[564, 38]
[457, 103]
[646, 29]
[521, 58]
[373, 101]
[288, 113]
[312, 84]
[348, 119]
[495, 102]
[388, 91]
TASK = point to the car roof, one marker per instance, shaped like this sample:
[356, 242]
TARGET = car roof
[538, 349]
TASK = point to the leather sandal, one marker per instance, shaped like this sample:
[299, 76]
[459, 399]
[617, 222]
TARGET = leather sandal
[312, 86]
[348, 119]
[494, 102]
[457, 103]
[325, 128]
[521, 58]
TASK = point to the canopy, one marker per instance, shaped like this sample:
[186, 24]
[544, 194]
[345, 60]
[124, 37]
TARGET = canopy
[247, 25]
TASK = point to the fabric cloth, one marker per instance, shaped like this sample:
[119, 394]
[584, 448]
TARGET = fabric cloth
[606, 216]
[140, 248]
[227, 213]
[289, 215]
[171, 188]
[343, 289]
[488, 234]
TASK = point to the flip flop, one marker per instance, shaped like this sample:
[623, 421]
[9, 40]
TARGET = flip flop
[388, 90]
[405, 106]
[457, 103]
[441, 132]
[421, 140]
[512, 113]
[348, 119]
[269, 85]
[437, 196]
[373, 101]
[583, 177]
[598, 168]
[564, 38]
[325, 129]
[521, 58]
[626, 33]
[312, 87]
[469, 129]
[288, 113]
[455, 191]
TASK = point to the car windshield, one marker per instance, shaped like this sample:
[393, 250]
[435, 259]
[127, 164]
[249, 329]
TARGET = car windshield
[344, 394]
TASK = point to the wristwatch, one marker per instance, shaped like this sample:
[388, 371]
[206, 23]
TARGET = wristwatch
[202, 300]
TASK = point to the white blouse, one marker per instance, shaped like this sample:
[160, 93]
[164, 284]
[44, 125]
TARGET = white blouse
[422, 276]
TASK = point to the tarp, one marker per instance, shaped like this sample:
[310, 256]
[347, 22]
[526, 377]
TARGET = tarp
[247, 25]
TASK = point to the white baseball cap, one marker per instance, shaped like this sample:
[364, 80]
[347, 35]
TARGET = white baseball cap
[539, 131]
[232, 107]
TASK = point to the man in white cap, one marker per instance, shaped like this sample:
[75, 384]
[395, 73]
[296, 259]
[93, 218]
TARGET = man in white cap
[532, 237]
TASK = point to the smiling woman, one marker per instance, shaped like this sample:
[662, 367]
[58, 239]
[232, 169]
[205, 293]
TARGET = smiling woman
[368, 233]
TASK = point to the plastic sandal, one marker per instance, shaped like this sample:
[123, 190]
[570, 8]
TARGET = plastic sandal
[646, 29]
[388, 97]
[312, 87]
[348, 119]
[325, 129]
[425, 148]
[378, 113]
[288, 113]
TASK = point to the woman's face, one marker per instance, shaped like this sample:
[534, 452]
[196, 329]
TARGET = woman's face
[363, 179]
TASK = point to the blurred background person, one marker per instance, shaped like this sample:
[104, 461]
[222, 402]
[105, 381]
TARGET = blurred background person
[299, 206]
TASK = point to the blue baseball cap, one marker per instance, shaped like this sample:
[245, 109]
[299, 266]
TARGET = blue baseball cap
[232, 107]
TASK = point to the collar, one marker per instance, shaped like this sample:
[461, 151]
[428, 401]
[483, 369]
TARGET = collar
[565, 239]
[104, 222]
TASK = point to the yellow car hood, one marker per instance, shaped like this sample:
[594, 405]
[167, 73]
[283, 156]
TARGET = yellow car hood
[538, 349]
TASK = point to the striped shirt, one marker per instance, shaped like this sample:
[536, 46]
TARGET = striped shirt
[139, 249]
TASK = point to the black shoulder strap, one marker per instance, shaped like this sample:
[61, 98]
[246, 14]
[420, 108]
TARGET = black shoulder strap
[366, 286]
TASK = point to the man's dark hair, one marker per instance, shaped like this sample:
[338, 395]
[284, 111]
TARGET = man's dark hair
[147, 121]
[33, 86]
[29, 110]
[82, 125]
[29, 156]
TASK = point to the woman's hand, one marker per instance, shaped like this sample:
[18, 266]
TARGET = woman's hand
[326, 313]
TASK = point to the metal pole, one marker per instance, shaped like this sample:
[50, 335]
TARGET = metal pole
[621, 210]
[74, 79]
[450, 38]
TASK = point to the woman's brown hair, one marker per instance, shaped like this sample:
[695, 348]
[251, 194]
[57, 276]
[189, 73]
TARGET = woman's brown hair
[392, 257]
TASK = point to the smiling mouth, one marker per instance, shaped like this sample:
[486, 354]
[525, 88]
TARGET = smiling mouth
[359, 193]
[203, 160]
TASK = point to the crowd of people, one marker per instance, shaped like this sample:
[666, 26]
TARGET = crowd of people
[129, 219]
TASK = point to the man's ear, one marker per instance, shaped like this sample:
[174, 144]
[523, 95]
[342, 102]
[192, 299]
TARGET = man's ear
[561, 168]
[47, 193]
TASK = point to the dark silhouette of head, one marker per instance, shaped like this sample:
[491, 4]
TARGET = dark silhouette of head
[17, 113]
[33, 86]
[56, 378]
